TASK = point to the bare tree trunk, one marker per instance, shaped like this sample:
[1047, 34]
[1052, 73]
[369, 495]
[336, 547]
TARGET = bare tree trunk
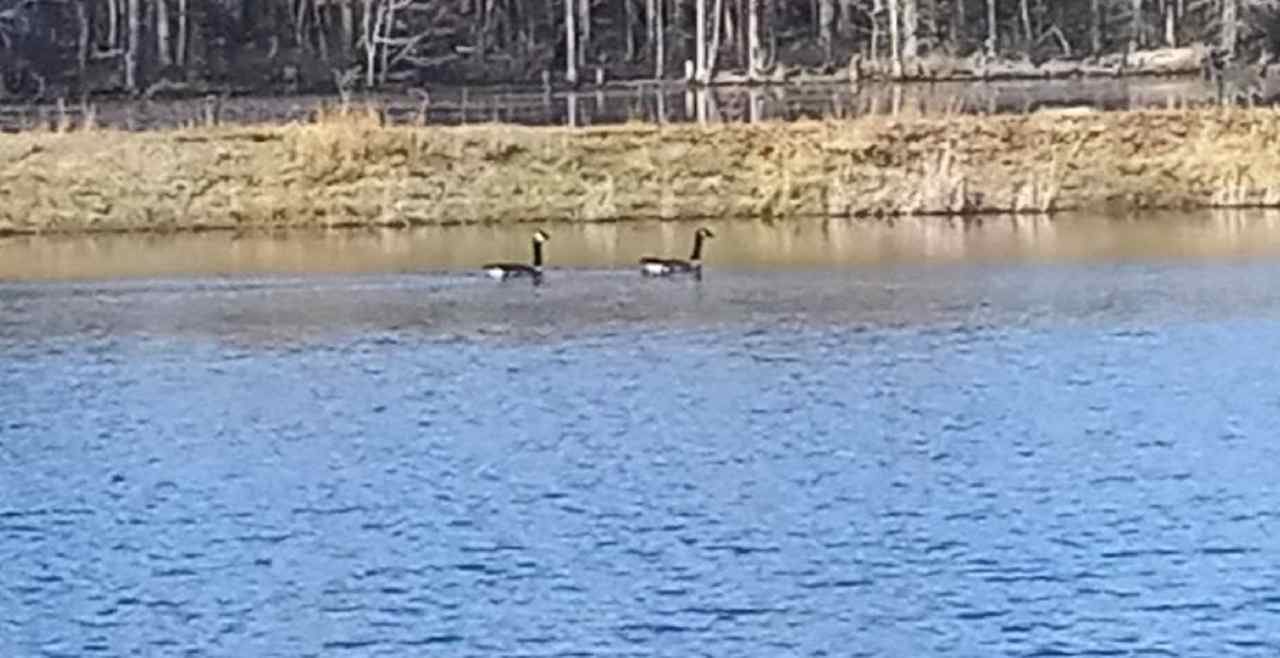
[1024, 14]
[700, 39]
[388, 29]
[1170, 24]
[531, 22]
[993, 35]
[740, 34]
[298, 14]
[486, 21]
[322, 39]
[1095, 26]
[1135, 27]
[826, 28]
[679, 20]
[713, 50]
[929, 24]
[164, 46]
[347, 17]
[660, 40]
[895, 39]
[630, 18]
[370, 38]
[134, 45]
[730, 35]
[113, 24]
[571, 42]
[650, 24]
[754, 58]
[184, 21]
[82, 41]
[958, 22]
[770, 23]
[844, 24]
[876, 9]
[1230, 25]
[584, 45]
[910, 29]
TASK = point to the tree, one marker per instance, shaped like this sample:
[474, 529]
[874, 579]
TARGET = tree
[1024, 15]
[133, 47]
[184, 18]
[657, 36]
[1230, 26]
[584, 30]
[1095, 26]
[700, 40]
[910, 29]
[347, 19]
[826, 28]
[1135, 27]
[895, 45]
[164, 47]
[992, 29]
[571, 43]
[253, 44]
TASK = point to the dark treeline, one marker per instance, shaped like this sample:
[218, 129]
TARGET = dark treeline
[156, 46]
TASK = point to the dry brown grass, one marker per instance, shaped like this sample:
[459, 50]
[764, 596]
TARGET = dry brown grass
[349, 169]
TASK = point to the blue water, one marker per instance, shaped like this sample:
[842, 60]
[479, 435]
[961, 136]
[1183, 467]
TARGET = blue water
[997, 460]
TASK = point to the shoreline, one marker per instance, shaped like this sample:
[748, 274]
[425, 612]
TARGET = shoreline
[235, 231]
[1162, 62]
[429, 101]
[348, 171]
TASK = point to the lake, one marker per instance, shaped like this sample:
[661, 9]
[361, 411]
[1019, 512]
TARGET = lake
[1019, 437]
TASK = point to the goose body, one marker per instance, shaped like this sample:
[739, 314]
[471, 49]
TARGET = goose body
[503, 271]
[651, 266]
[666, 266]
[510, 270]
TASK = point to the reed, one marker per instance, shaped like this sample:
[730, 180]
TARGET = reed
[348, 168]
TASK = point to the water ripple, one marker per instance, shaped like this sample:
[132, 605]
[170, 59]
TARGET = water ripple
[956, 468]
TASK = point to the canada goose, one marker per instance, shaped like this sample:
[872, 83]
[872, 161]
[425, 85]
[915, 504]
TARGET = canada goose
[650, 266]
[514, 270]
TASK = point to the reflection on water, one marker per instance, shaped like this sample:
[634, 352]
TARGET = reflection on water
[1002, 445]
[740, 244]
[671, 103]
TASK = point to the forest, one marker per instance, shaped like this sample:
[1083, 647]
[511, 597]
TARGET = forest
[148, 47]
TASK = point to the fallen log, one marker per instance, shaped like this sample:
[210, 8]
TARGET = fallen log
[1187, 60]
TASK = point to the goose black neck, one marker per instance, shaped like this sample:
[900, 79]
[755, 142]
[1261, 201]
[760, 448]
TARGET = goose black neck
[697, 248]
[537, 254]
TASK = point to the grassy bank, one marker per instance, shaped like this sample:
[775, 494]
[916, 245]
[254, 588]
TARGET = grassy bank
[348, 171]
